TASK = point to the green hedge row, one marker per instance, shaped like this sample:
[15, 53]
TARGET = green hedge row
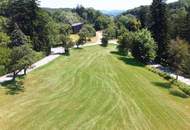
[182, 89]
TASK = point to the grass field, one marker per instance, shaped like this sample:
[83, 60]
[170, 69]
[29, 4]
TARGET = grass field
[93, 89]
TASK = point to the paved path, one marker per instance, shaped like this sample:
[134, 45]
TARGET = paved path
[55, 53]
[172, 74]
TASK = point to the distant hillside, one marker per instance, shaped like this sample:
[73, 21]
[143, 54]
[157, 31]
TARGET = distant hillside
[53, 10]
[112, 12]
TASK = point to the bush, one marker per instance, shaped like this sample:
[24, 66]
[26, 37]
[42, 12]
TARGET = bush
[160, 73]
[185, 89]
[178, 92]
[2, 70]
[104, 41]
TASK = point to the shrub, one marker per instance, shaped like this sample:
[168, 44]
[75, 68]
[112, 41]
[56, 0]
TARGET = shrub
[178, 92]
[160, 73]
[185, 89]
[104, 41]
[2, 70]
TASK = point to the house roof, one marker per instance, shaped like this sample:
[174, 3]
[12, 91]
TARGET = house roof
[76, 24]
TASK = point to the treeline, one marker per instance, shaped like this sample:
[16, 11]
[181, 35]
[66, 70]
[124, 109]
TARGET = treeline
[27, 32]
[92, 20]
[158, 33]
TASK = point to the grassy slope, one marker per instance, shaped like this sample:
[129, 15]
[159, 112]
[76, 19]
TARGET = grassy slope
[93, 89]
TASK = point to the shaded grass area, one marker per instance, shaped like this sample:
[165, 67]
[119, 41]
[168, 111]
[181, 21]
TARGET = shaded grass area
[176, 87]
[127, 59]
[14, 87]
[93, 89]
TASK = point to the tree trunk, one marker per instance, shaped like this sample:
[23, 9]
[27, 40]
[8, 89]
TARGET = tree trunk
[177, 76]
[25, 69]
[14, 76]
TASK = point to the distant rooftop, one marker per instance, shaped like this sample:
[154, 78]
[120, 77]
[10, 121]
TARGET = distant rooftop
[77, 24]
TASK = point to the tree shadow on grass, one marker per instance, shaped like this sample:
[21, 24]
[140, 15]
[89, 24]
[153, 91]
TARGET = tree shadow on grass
[131, 61]
[118, 53]
[14, 87]
[163, 84]
[128, 60]
[78, 48]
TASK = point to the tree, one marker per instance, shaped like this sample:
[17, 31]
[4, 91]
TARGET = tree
[185, 31]
[66, 16]
[21, 58]
[144, 47]
[177, 22]
[88, 14]
[178, 54]
[3, 23]
[86, 32]
[33, 22]
[4, 56]
[24, 13]
[82, 39]
[144, 16]
[89, 30]
[140, 44]
[65, 29]
[3, 7]
[66, 43]
[159, 28]
[125, 42]
[4, 39]
[5, 59]
[18, 37]
[130, 22]
[43, 35]
[105, 40]
[102, 22]
[110, 32]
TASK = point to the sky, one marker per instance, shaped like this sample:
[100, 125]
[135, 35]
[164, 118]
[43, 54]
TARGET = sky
[97, 4]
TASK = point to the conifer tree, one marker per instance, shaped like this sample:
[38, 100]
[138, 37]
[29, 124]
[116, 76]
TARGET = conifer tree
[159, 27]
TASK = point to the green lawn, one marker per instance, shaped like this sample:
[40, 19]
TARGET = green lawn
[93, 89]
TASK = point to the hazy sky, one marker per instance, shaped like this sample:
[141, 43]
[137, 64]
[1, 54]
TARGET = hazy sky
[97, 4]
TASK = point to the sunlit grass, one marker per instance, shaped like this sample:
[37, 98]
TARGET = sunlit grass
[94, 88]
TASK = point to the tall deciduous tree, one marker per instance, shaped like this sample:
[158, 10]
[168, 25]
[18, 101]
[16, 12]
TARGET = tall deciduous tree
[82, 38]
[24, 13]
[4, 59]
[4, 39]
[185, 32]
[178, 54]
[159, 27]
[21, 58]
[18, 37]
